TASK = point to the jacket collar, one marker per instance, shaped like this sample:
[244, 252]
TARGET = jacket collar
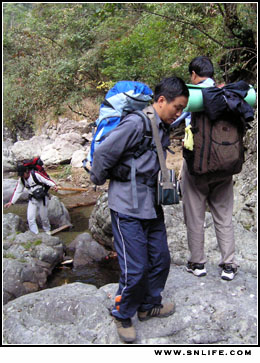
[209, 82]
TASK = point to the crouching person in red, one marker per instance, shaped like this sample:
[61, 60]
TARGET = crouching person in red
[138, 224]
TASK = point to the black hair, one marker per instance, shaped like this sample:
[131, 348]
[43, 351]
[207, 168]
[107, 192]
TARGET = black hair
[202, 66]
[171, 88]
[21, 169]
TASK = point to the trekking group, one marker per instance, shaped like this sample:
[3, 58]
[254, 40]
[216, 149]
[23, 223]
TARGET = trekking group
[132, 156]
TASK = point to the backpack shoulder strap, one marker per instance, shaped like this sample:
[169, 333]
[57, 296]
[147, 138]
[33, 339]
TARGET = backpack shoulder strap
[143, 147]
[147, 134]
[35, 178]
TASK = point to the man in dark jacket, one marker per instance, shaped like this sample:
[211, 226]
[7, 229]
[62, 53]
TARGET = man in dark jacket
[137, 222]
[212, 189]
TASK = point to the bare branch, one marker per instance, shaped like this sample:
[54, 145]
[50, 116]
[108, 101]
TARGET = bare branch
[78, 113]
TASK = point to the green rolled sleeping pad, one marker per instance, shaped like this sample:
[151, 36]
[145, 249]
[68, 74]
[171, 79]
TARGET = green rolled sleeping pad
[195, 103]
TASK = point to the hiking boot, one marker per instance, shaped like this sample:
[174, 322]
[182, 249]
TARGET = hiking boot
[198, 269]
[228, 272]
[125, 329]
[158, 311]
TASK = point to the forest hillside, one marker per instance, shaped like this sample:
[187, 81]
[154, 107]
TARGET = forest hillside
[58, 55]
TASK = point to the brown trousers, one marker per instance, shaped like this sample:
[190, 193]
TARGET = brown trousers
[197, 191]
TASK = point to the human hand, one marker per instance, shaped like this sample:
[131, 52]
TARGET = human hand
[7, 205]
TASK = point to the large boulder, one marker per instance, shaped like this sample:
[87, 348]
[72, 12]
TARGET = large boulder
[28, 261]
[86, 250]
[58, 213]
[245, 184]
[208, 311]
[78, 156]
[62, 149]
[65, 126]
[12, 224]
[29, 149]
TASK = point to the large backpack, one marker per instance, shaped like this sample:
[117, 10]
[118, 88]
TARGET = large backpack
[36, 164]
[218, 131]
[122, 99]
[218, 146]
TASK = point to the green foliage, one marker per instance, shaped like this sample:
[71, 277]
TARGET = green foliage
[15, 13]
[29, 245]
[60, 53]
[9, 255]
[65, 172]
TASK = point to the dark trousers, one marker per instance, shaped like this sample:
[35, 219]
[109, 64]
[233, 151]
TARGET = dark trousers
[144, 260]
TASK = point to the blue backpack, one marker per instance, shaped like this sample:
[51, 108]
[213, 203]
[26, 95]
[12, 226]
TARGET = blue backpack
[122, 99]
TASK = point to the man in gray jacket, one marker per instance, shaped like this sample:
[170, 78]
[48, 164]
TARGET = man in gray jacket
[137, 221]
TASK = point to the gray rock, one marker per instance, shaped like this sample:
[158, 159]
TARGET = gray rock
[70, 314]
[87, 250]
[31, 148]
[28, 261]
[208, 311]
[100, 222]
[58, 213]
[246, 241]
[78, 156]
[83, 237]
[12, 224]
[62, 149]
[245, 184]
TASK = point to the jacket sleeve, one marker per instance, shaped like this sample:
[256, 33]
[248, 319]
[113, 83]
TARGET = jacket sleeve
[45, 180]
[123, 138]
[18, 191]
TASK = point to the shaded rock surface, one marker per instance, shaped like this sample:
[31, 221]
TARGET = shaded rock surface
[86, 250]
[12, 224]
[208, 311]
[58, 213]
[100, 222]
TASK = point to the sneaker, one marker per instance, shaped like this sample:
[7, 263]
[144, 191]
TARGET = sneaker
[228, 272]
[197, 269]
[158, 311]
[125, 330]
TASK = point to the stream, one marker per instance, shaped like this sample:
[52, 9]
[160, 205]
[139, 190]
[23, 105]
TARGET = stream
[96, 274]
